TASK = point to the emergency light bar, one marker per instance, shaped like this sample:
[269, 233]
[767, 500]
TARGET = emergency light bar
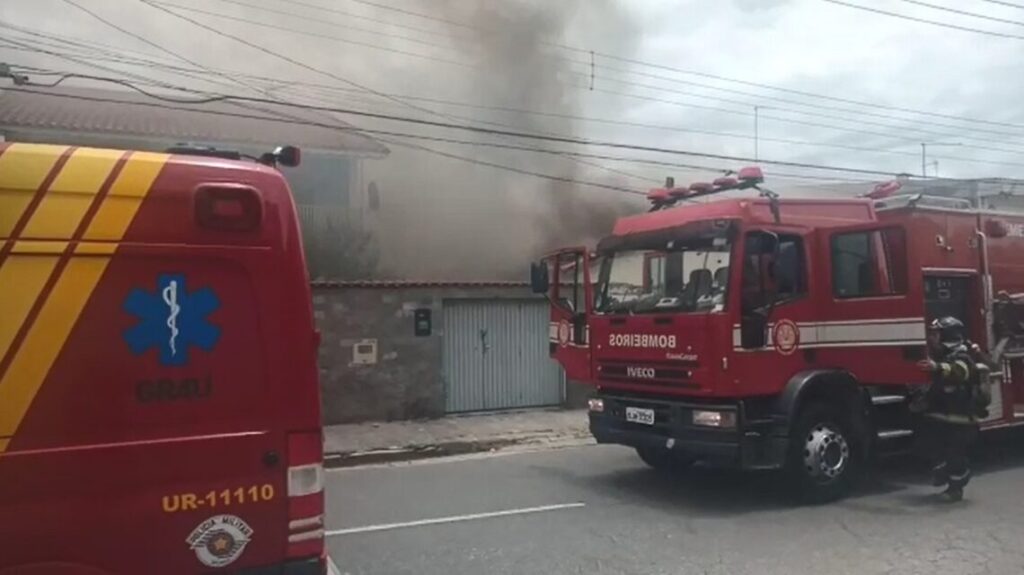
[746, 178]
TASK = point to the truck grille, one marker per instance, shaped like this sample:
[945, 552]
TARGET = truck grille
[666, 373]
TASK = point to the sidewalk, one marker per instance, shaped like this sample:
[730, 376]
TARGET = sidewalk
[363, 443]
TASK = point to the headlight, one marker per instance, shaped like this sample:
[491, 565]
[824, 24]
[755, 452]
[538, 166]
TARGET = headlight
[722, 419]
[596, 405]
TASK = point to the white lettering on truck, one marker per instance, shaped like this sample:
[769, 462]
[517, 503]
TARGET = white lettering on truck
[644, 372]
[648, 340]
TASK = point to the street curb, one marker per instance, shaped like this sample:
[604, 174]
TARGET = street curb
[336, 460]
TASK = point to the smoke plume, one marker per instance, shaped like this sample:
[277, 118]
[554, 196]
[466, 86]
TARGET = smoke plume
[442, 218]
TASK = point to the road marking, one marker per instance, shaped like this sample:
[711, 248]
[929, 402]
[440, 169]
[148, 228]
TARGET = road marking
[452, 519]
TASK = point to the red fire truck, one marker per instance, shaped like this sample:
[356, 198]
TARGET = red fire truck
[766, 333]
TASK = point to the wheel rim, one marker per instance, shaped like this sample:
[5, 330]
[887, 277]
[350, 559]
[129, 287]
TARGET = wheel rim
[826, 452]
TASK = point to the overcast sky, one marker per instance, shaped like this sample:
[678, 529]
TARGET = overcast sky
[685, 75]
[807, 45]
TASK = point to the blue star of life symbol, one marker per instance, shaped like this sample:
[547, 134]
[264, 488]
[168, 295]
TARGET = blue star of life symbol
[172, 320]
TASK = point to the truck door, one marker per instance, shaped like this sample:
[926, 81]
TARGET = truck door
[774, 298]
[873, 316]
[571, 295]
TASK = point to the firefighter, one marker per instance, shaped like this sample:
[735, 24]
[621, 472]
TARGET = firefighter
[949, 424]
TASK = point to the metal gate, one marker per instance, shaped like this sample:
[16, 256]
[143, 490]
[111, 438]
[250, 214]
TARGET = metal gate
[496, 356]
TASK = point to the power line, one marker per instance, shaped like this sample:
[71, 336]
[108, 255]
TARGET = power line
[69, 76]
[564, 116]
[660, 127]
[297, 15]
[964, 12]
[925, 21]
[157, 46]
[1004, 3]
[747, 106]
[317, 35]
[948, 158]
[411, 13]
[690, 94]
[363, 17]
[844, 128]
[127, 32]
[678, 70]
[480, 162]
[790, 120]
[91, 63]
[795, 142]
[287, 120]
[302, 64]
[539, 137]
[626, 71]
[762, 97]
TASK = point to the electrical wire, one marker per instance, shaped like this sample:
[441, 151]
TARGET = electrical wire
[747, 104]
[964, 12]
[127, 32]
[954, 159]
[348, 14]
[637, 62]
[798, 122]
[68, 76]
[1005, 3]
[311, 123]
[924, 20]
[747, 110]
[539, 137]
[599, 66]
[767, 139]
[313, 34]
[668, 128]
[411, 13]
[321, 21]
[308, 67]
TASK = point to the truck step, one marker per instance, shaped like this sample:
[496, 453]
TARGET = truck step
[894, 433]
[887, 399]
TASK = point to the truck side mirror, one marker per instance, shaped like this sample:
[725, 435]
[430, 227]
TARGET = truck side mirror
[539, 281]
[754, 331]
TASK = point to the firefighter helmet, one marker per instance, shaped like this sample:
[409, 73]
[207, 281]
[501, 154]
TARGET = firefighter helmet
[951, 330]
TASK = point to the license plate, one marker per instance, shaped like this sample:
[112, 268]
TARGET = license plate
[640, 415]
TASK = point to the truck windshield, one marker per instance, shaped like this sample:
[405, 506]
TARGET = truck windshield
[675, 280]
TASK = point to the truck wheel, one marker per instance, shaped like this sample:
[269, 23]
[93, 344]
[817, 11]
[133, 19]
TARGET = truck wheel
[823, 457]
[664, 460]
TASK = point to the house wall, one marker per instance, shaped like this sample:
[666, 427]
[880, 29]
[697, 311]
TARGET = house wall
[406, 381]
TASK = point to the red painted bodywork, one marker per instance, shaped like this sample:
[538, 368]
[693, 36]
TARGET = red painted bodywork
[720, 369]
[82, 483]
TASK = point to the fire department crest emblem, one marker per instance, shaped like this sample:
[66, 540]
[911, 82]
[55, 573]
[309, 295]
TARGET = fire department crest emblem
[786, 336]
[564, 332]
[219, 540]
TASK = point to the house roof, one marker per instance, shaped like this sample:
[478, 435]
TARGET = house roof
[124, 113]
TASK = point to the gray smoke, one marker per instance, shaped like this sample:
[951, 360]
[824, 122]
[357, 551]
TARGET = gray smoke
[442, 218]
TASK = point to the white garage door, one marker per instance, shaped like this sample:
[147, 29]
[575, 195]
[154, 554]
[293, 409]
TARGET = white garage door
[496, 356]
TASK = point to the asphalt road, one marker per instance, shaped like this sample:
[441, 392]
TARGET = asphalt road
[635, 520]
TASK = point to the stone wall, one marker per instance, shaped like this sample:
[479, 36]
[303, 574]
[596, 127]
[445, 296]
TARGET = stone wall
[406, 380]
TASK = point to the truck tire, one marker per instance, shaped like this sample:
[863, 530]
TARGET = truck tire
[664, 460]
[823, 459]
